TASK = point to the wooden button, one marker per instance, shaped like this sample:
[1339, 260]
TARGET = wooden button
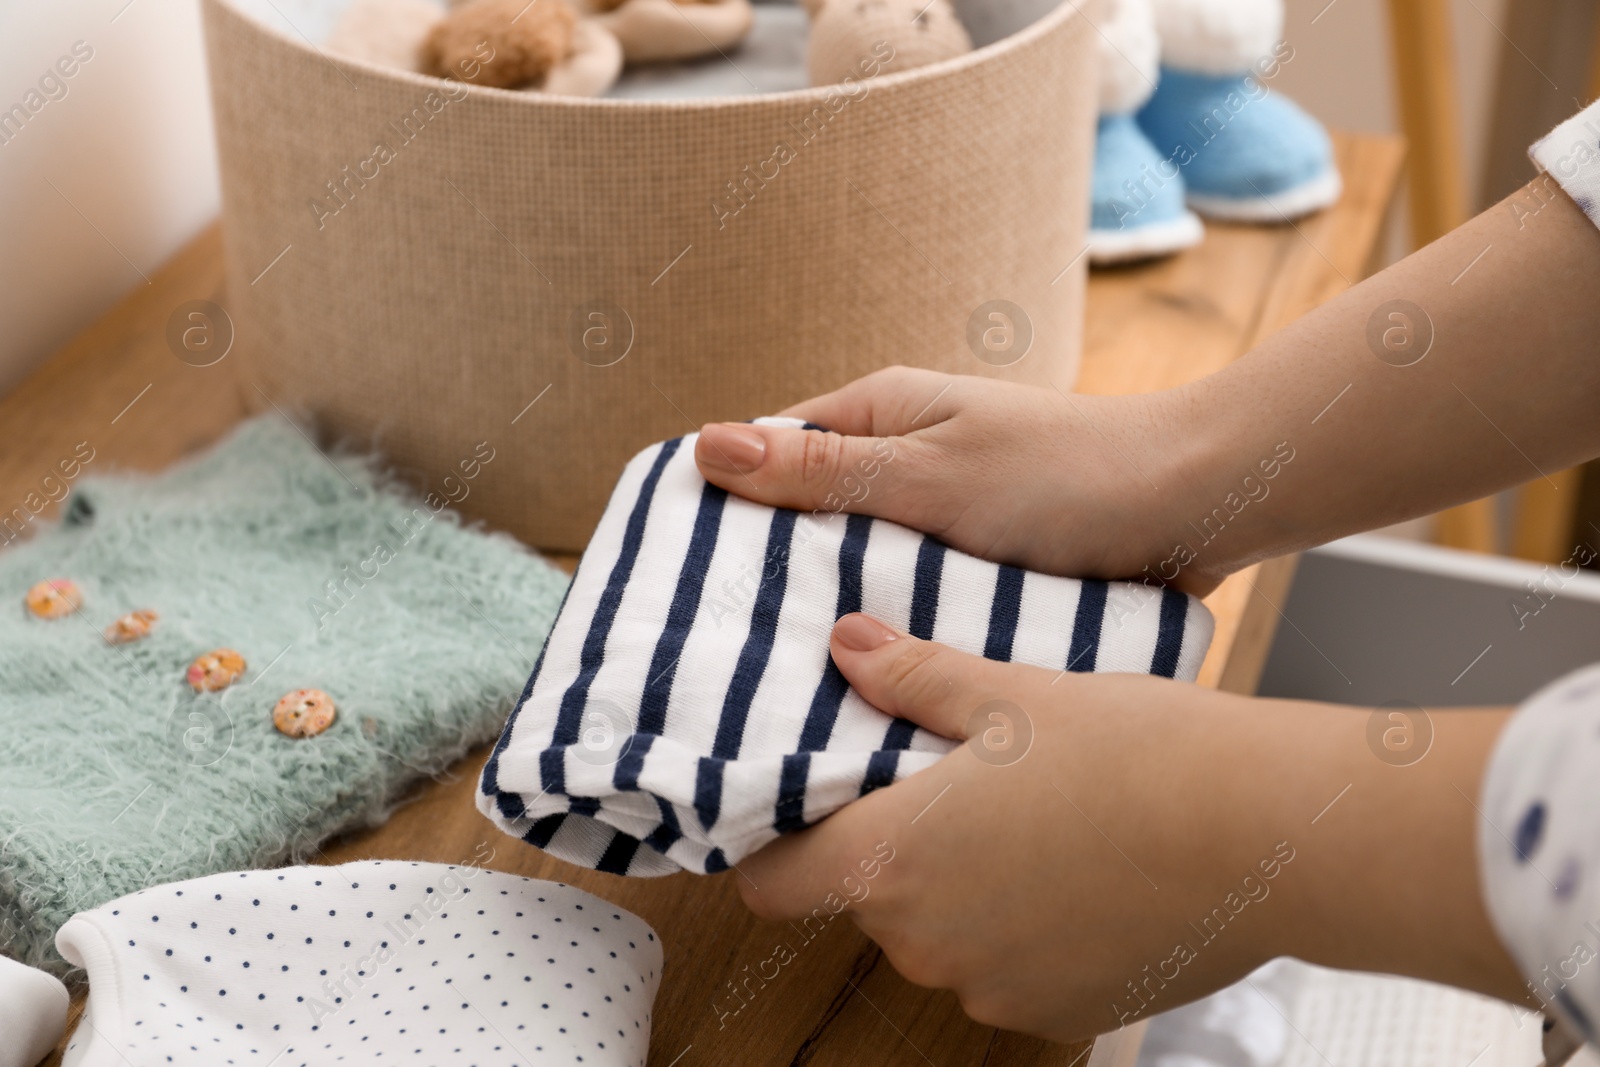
[54, 598]
[215, 670]
[303, 713]
[131, 627]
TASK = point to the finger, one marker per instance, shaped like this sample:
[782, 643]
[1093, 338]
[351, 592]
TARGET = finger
[797, 874]
[807, 470]
[885, 403]
[930, 684]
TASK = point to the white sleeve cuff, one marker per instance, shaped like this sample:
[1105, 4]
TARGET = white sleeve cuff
[1538, 853]
[1570, 154]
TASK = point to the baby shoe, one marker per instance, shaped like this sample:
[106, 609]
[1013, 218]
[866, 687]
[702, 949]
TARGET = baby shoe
[1137, 197]
[1246, 153]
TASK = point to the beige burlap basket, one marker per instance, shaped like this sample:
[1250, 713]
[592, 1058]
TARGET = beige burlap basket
[414, 262]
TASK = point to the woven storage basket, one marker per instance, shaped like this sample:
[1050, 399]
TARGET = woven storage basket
[510, 246]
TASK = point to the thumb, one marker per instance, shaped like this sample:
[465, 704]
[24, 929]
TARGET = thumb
[930, 684]
[805, 470]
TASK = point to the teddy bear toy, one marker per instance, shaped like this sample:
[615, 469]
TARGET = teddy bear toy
[852, 38]
[498, 43]
[654, 31]
[512, 44]
[507, 44]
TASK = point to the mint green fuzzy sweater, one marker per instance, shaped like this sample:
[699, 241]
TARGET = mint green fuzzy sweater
[115, 775]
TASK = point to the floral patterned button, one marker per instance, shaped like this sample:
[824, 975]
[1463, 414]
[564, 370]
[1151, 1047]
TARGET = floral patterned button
[54, 598]
[215, 670]
[303, 713]
[131, 627]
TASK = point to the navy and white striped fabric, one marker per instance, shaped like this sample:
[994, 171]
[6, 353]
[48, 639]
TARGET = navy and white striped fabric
[685, 711]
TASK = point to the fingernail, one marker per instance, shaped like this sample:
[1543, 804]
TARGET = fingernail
[732, 448]
[862, 633]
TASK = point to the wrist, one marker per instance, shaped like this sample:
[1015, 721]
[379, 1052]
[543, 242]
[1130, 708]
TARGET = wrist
[1228, 480]
[1387, 879]
[1242, 469]
[1164, 452]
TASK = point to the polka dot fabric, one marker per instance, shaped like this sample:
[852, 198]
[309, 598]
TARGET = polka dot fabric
[1538, 853]
[368, 963]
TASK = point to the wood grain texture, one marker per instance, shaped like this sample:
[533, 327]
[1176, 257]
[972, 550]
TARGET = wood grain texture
[1430, 102]
[1542, 530]
[1547, 67]
[1425, 71]
[838, 1001]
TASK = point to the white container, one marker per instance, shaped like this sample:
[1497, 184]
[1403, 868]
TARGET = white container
[1375, 619]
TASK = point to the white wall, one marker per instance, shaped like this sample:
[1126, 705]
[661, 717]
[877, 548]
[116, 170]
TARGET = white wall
[129, 145]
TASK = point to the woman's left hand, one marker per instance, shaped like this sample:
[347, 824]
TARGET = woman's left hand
[1106, 847]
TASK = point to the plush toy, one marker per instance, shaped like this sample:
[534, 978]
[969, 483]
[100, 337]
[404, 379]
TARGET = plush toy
[502, 43]
[594, 65]
[1247, 152]
[1189, 119]
[653, 31]
[483, 42]
[850, 37]
[1137, 205]
[383, 32]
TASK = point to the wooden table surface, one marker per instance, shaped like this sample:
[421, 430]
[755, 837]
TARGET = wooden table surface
[119, 386]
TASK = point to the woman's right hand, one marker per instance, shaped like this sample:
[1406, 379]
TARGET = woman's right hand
[1065, 484]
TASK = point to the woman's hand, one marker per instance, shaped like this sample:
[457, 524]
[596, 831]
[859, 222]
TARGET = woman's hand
[1058, 483]
[1106, 847]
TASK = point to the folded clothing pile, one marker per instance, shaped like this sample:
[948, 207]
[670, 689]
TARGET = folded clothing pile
[685, 710]
[127, 763]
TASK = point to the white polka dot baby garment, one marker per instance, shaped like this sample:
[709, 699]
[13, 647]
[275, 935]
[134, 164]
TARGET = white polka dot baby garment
[381, 962]
[33, 1013]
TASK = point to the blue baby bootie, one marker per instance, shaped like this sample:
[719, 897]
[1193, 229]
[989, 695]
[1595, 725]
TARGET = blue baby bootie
[1247, 154]
[1137, 209]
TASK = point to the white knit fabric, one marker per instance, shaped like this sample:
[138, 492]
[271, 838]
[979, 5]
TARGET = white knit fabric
[1129, 52]
[366, 963]
[685, 710]
[1217, 36]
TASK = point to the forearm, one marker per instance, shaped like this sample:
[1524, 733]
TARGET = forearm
[1504, 392]
[1385, 876]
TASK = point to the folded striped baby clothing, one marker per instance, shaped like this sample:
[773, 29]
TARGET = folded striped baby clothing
[685, 711]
